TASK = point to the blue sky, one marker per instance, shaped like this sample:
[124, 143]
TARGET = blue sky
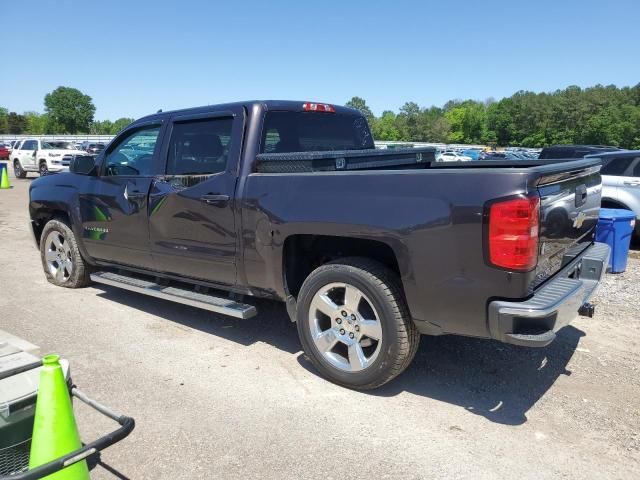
[134, 57]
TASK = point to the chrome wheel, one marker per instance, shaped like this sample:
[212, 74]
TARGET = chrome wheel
[58, 256]
[345, 327]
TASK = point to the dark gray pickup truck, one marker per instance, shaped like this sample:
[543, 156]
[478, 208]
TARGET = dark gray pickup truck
[368, 248]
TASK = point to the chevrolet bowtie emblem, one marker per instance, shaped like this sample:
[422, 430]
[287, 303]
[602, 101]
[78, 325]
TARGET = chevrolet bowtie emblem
[579, 220]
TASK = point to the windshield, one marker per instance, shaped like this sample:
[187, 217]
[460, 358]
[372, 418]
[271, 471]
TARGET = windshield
[313, 132]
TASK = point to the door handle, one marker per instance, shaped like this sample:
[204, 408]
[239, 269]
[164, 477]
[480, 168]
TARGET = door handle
[214, 199]
[133, 195]
[632, 184]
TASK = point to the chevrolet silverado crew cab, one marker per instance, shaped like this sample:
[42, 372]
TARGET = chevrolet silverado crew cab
[367, 248]
[35, 155]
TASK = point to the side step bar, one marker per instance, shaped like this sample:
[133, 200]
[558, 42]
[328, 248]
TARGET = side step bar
[178, 295]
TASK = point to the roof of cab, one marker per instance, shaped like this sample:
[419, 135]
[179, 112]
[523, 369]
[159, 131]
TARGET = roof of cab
[291, 105]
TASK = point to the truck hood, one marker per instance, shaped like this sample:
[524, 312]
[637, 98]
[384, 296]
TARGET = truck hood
[63, 152]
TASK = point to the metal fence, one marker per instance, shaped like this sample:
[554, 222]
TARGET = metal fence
[70, 138]
[107, 138]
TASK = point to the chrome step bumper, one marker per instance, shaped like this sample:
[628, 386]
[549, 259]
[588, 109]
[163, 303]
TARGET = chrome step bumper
[177, 295]
[534, 322]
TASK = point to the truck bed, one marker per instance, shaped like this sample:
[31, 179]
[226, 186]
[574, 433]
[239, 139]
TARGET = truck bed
[378, 159]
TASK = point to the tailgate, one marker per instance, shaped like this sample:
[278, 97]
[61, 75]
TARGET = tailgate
[569, 207]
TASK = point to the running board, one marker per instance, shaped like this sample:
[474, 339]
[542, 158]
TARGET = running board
[178, 295]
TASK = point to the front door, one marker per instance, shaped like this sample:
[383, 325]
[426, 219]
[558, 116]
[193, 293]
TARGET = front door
[114, 206]
[192, 217]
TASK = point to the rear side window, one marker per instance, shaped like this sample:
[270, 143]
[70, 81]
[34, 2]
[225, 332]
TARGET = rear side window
[314, 131]
[616, 165]
[200, 147]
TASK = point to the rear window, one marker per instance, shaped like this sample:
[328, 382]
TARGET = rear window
[549, 153]
[314, 131]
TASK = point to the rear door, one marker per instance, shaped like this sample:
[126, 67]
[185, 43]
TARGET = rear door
[114, 206]
[614, 172]
[27, 154]
[193, 214]
[569, 208]
[629, 188]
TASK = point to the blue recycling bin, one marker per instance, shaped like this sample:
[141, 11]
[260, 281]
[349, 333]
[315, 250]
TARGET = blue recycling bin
[615, 228]
[3, 165]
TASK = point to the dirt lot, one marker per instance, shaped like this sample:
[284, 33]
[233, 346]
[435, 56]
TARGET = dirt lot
[219, 398]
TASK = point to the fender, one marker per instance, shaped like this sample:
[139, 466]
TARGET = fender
[55, 194]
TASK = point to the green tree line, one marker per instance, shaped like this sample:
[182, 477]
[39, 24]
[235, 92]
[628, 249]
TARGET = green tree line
[67, 111]
[603, 115]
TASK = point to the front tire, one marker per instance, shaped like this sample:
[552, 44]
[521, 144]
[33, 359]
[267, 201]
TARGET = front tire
[18, 171]
[63, 265]
[354, 324]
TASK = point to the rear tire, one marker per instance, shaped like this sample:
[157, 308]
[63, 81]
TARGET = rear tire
[354, 324]
[43, 169]
[18, 171]
[61, 259]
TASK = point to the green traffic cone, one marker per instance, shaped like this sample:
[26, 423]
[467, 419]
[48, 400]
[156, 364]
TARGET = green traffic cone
[55, 433]
[4, 181]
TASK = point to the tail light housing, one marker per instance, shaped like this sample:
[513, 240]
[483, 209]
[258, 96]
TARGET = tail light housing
[513, 233]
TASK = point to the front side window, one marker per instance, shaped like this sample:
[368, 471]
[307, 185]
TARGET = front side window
[635, 169]
[29, 145]
[133, 155]
[199, 147]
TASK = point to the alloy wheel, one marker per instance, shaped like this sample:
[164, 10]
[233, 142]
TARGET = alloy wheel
[58, 256]
[345, 327]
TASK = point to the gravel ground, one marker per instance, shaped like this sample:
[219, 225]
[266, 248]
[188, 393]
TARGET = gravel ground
[219, 398]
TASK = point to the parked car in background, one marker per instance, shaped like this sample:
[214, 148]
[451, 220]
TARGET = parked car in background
[94, 148]
[35, 155]
[574, 151]
[451, 156]
[4, 151]
[491, 155]
[472, 154]
[621, 181]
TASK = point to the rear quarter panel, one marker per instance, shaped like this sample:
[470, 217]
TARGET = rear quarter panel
[432, 219]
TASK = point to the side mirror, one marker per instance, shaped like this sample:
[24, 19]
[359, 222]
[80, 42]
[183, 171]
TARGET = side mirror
[83, 165]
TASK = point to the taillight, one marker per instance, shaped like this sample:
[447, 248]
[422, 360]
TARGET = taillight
[513, 233]
[318, 107]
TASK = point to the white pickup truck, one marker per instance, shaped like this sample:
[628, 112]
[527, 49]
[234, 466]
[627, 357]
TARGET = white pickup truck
[35, 155]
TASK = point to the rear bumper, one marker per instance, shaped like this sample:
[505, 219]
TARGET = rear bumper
[534, 322]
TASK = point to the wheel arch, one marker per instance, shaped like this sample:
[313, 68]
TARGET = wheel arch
[612, 203]
[303, 253]
[44, 215]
